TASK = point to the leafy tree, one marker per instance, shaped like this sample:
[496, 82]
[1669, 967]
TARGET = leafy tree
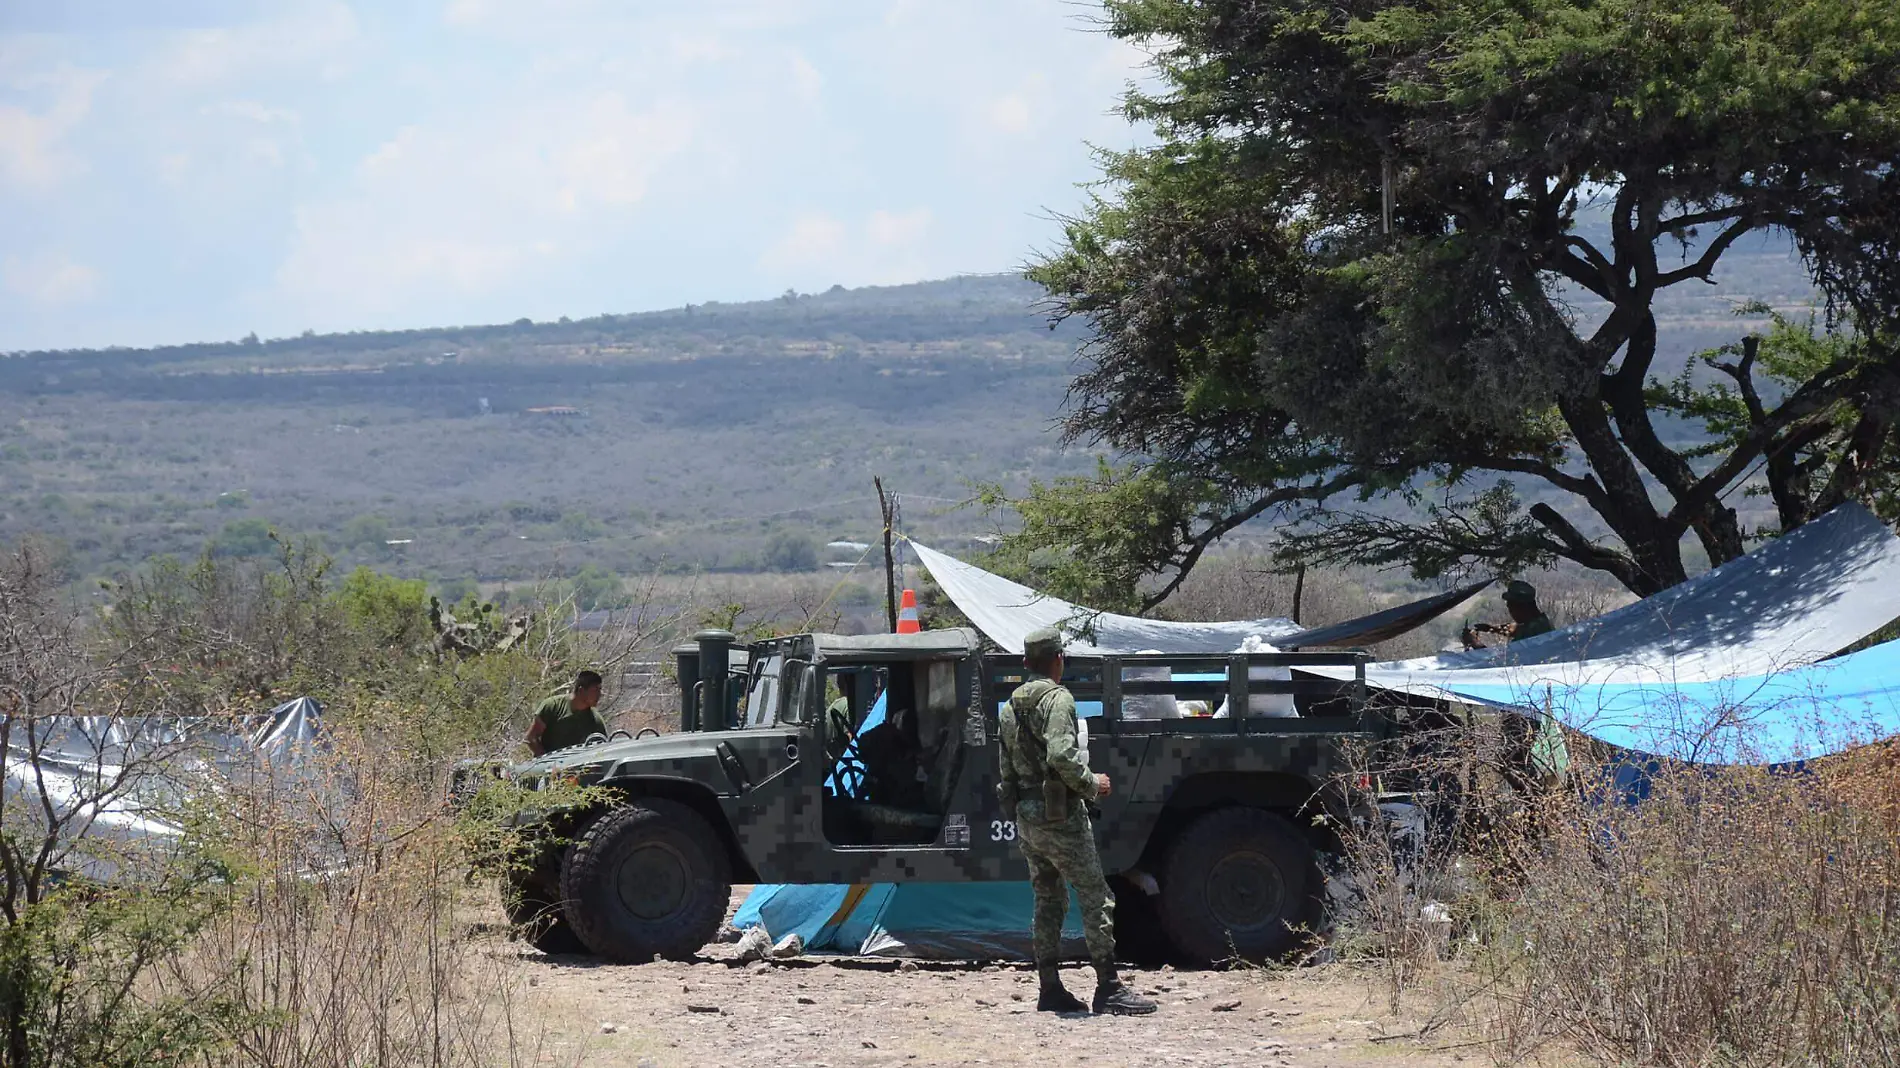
[579, 526]
[1388, 260]
[392, 612]
[75, 956]
[244, 538]
[366, 532]
[457, 590]
[791, 552]
[597, 587]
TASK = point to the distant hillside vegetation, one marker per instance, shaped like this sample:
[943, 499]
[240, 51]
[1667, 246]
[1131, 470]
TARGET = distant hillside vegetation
[717, 436]
[712, 436]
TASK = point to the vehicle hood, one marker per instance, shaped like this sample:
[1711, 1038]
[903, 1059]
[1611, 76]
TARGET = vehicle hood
[666, 753]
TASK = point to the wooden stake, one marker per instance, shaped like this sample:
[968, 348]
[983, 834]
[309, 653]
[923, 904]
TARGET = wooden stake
[890, 563]
[1385, 193]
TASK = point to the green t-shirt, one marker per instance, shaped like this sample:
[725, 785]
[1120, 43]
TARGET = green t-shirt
[566, 725]
[1531, 628]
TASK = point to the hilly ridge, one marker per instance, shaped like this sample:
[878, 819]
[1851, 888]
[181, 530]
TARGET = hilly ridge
[708, 433]
[714, 436]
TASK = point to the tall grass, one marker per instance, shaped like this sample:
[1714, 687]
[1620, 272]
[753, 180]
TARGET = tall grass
[1732, 916]
[312, 913]
[344, 940]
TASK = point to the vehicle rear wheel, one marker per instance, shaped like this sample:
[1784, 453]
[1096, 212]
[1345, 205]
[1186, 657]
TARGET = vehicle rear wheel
[647, 879]
[1239, 882]
[534, 908]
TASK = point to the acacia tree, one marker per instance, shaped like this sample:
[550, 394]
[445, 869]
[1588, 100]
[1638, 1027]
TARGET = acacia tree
[1400, 252]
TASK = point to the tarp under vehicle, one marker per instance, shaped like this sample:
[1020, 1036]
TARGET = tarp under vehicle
[930, 921]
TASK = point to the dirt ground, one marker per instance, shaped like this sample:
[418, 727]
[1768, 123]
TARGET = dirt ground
[839, 1012]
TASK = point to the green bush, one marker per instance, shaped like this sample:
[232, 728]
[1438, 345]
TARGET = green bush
[243, 538]
[791, 552]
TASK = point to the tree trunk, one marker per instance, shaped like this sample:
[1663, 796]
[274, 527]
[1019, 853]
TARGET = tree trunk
[1630, 514]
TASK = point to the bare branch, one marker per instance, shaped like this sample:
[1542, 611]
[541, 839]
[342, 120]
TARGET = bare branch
[1698, 218]
[1705, 264]
[1824, 389]
[1581, 549]
[1199, 544]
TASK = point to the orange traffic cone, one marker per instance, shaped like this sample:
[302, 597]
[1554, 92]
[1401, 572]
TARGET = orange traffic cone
[907, 614]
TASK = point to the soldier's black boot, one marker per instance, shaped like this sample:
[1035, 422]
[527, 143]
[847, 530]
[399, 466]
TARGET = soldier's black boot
[1113, 998]
[1054, 997]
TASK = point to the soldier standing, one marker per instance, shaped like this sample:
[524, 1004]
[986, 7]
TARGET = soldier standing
[1044, 781]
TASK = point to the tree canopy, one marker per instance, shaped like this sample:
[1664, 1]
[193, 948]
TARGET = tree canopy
[1388, 263]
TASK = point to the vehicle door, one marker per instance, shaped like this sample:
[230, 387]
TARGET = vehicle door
[904, 757]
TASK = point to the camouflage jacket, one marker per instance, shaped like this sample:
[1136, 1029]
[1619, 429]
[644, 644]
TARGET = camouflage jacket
[1044, 712]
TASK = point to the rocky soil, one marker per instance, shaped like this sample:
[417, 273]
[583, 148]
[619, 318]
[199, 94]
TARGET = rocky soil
[838, 1012]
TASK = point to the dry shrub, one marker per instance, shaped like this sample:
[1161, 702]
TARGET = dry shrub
[345, 941]
[1732, 915]
[1244, 585]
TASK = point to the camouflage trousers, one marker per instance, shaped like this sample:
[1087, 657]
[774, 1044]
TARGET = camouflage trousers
[1058, 853]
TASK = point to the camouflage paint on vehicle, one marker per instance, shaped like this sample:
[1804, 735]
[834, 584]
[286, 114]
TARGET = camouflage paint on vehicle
[764, 783]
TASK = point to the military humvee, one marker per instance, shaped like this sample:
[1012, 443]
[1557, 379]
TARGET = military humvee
[821, 758]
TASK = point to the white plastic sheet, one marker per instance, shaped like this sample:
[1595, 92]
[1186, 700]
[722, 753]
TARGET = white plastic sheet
[1007, 611]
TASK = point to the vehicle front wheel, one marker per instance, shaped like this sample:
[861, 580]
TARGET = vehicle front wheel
[647, 879]
[1239, 882]
[534, 909]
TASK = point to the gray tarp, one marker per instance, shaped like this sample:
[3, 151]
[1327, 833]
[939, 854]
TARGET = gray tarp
[1708, 669]
[115, 783]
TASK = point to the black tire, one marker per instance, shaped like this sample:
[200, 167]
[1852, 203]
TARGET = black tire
[1239, 882]
[1139, 939]
[534, 909]
[647, 879]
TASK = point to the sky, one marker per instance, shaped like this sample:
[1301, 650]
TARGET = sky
[193, 170]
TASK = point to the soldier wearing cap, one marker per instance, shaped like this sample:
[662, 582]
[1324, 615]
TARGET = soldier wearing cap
[1527, 620]
[1534, 755]
[1044, 781]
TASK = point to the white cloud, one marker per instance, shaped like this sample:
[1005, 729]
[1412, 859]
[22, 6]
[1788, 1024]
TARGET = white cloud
[49, 279]
[612, 152]
[436, 214]
[254, 111]
[173, 167]
[896, 229]
[336, 164]
[1009, 113]
[807, 82]
[819, 249]
[33, 150]
[315, 37]
[813, 240]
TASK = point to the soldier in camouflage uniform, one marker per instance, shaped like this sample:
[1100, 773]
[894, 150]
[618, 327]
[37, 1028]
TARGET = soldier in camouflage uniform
[1044, 783]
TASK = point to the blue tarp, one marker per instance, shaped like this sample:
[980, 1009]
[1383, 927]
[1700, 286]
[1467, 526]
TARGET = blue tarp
[933, 921]
[1790, 715]
[846, 778]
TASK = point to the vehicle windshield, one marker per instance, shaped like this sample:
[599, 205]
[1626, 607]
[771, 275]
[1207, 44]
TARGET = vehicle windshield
[762, 693]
